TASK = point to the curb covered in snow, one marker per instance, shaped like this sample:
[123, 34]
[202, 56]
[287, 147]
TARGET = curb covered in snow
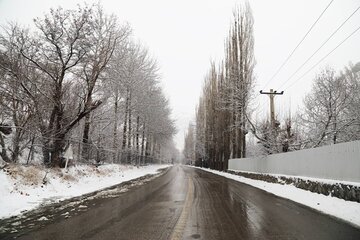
[22, 188]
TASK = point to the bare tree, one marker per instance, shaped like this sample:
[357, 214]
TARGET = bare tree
[105, 36]
[328, 110]
[189, 146]
[351, 76]
[55, 52]
[79, 77]
[221, 123]
[145, 113]
[15, 104]
[239, 76]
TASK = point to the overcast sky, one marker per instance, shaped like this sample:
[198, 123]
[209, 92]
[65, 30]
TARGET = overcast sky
[185, 35]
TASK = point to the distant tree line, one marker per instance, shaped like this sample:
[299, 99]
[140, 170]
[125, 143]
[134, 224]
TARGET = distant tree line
[79, 78]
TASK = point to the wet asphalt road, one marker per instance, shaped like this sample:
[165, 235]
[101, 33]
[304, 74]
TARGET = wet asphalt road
[188, 203]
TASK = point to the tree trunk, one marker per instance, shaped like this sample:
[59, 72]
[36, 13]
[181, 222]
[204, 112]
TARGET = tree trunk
[147, 148]
[3, 153]
[31, 150]
[129, 124]
[243, 154]
[115, 143]
[56, 155]
[16, 139]
[58, 136]
[123, 154]
[16, 146]
[238, 142]
[226, 145]
[143, 145]
[335, 126]
[130, 157]
[233, 136]
[86, 147]
[137, 139]
[159, 153]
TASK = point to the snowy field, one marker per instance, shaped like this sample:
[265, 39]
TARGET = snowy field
[347, 210]
[22, 188]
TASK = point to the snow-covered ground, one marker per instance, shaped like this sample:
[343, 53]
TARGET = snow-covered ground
[22, 188]
[319, 180]
[346, 210]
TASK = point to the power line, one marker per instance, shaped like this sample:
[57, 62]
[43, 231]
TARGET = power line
[317, 50]
[323, 57]
[293, 51]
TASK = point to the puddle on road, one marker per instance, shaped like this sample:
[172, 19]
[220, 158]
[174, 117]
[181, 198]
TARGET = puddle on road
[195, 236]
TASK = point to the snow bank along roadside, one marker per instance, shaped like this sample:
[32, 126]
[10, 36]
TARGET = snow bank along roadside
[348, 211]
[349, 191]
[23, 188]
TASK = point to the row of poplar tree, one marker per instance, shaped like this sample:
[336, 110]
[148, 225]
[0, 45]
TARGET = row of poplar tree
[220, 131]
[78, 78]
[225, 127]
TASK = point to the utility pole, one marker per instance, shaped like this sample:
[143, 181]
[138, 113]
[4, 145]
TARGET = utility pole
[272, 94]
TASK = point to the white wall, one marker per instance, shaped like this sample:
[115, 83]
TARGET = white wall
[338, 162]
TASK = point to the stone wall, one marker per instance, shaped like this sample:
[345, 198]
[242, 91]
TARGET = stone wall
[339, 190]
